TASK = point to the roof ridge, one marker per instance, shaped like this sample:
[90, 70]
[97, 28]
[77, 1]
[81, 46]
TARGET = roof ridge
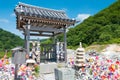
[28, 5]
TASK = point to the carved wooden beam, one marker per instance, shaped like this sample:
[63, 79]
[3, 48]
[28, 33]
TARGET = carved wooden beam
[58, 22]
[46, 29]
[45, 35]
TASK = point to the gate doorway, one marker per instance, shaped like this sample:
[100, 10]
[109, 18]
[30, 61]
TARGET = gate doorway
[48, 53]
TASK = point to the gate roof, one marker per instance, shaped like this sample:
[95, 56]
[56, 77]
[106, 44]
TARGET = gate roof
[41, 19]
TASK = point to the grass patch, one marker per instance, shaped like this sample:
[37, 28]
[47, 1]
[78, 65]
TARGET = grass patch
[37, 69]
[97, 48]
[2, 53]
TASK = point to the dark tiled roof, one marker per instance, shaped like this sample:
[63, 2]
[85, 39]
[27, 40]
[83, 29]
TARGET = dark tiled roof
[34, 11]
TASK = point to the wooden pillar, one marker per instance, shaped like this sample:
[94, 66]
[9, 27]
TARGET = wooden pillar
[27, 37]
[53, 38]
[16, 72]
[54, 47]
[65, 45]
[25, 40]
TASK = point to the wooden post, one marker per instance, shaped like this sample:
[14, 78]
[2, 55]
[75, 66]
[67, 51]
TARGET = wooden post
[54, 47]
[27, 36]
[65, 45]
[25, 41]
[16, 71]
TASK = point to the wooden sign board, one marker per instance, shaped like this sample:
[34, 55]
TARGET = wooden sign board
[19, 56]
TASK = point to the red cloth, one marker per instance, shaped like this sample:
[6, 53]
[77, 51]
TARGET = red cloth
[117, 62]
[97, 57]
[103, 77]
[1, 63]
[111, 68]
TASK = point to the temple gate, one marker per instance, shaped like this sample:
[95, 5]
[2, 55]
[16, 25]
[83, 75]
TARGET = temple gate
[37, 21]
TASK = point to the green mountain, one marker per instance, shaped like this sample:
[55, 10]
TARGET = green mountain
[102, 28]
[9, 40]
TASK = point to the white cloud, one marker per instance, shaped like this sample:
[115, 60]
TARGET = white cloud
[64, 9]
[13, 14]
[82, 17]
[4, 21]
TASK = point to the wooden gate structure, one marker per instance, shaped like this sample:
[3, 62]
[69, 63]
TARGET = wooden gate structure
[37, 21]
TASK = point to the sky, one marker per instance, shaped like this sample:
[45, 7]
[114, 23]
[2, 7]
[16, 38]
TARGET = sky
[77, 9]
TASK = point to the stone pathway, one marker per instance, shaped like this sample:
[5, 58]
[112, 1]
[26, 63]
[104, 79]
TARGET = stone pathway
[47, 77]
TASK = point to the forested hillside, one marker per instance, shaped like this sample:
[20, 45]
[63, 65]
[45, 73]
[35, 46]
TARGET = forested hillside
[9, 40]
[102, 28]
